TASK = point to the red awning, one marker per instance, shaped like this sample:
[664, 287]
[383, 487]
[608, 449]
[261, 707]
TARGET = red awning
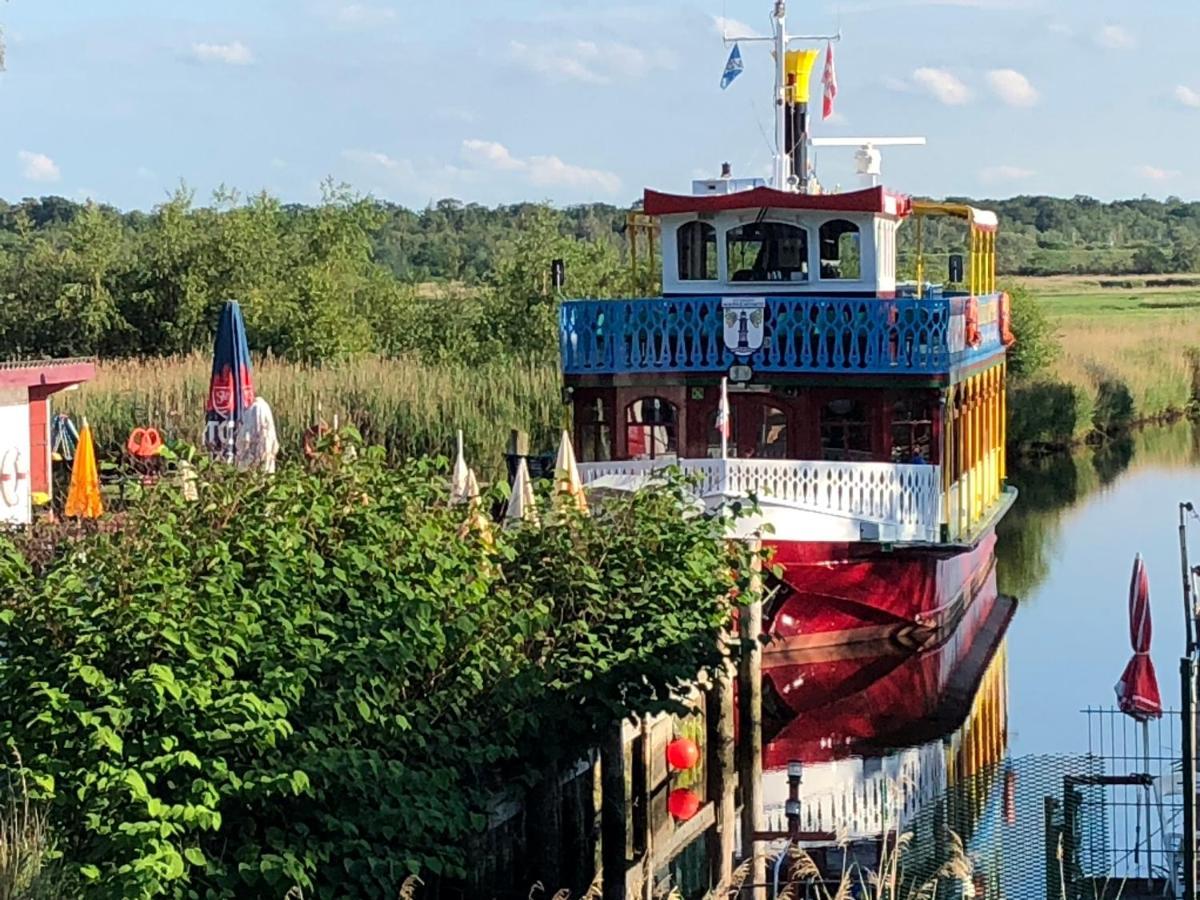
[875, 200]
[54, 374]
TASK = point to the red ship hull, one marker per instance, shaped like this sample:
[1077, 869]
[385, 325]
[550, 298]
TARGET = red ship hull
[834, 594]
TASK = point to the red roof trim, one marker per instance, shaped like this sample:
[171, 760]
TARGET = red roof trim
[868, 200]
[46, 373]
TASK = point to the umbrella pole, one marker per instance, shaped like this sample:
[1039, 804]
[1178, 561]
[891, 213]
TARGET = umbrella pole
[1146, 789]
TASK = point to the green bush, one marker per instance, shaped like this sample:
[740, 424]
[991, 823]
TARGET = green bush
[319, 678]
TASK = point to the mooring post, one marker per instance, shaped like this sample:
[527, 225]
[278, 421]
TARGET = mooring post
[750, 739]
[1187, 685]
[614, 813]
[723, 772]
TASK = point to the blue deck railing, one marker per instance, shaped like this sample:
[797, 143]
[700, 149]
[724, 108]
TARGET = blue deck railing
[800, 334]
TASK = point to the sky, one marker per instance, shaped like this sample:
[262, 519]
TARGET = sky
[497, 101]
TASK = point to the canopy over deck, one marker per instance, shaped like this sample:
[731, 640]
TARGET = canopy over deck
[876, 200]
[52, 374]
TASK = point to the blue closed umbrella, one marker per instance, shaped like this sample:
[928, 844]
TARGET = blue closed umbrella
[231, 389]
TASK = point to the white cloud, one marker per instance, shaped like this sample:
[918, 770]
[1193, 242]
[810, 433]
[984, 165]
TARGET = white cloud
[544, 171]
[994, 174]
[373, 158]
[1114, 37]
[586, 61]
[38, 166]
[942, 85]
[1012, 87]
[1187, 96]
[733, 28]
[232, 54]
[1154, 173]
[364, 14]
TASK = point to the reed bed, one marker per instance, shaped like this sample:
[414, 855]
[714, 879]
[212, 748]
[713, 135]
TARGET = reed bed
[1143, 354]
[408, 406]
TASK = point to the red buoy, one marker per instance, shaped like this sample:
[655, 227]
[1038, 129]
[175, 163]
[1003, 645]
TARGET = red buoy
[683, 803]
[682, 753]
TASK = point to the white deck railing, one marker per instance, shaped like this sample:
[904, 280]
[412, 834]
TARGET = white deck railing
[884, 501]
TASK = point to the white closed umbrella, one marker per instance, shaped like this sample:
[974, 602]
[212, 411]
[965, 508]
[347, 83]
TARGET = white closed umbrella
[566, 474]
[522, 506]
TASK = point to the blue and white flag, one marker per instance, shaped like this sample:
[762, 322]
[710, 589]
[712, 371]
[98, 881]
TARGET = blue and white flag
[733, 68]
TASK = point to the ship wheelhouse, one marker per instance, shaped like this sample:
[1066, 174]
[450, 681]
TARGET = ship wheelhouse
[862, 409]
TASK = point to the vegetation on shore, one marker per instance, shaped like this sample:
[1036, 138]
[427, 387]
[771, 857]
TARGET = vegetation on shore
[324, 678]
[1123, 353]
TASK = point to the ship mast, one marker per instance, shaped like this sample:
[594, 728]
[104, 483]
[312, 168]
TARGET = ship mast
[785, 176]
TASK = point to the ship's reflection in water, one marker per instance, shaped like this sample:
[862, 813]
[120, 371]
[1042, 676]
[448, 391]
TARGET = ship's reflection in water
[870, 741]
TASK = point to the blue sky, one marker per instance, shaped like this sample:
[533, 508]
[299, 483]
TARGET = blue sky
[576, 100]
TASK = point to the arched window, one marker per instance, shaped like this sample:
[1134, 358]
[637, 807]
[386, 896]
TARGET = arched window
[651, 429]
[841, 254]
[697, 246]
[767, 251]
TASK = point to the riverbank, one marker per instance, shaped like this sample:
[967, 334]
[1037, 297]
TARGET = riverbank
[1127, 358]
[412, 408]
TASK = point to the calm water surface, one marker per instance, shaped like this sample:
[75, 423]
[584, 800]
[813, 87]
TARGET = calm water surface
[1066, 552]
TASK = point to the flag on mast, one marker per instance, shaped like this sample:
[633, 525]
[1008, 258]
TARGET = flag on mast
[724, 421]
[733, 68]
[829, 80]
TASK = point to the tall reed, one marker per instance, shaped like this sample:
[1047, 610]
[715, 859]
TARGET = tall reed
[409, 406]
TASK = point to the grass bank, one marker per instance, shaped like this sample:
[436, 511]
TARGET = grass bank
[1127, 346]
[410, 407]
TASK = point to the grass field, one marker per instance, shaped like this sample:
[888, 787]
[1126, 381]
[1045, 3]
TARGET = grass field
[1125, 344]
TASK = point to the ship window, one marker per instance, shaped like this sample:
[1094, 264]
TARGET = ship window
[697, 245]
[841, 256]
[651, 429]
[912, 431]
[595, 432]
[767, 251]
[845, 431]
[772, 434]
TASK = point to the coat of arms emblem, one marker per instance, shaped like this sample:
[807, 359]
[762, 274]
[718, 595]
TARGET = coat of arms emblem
[743, 320]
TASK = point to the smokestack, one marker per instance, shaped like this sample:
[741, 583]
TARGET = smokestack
[726, 170]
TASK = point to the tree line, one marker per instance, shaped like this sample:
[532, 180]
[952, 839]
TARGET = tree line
[352, 274]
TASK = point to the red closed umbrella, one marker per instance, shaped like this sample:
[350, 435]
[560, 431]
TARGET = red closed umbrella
[1137, 691]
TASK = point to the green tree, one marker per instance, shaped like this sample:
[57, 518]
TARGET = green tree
[1037, 345]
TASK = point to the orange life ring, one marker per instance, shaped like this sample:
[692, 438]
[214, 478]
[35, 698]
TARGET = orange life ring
[144, 442]
[1006, 335]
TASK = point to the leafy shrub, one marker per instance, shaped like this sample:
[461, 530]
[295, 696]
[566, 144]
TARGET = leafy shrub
[317, 679]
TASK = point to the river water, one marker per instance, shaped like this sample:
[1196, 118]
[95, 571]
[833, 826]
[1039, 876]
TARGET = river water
[1065, 552]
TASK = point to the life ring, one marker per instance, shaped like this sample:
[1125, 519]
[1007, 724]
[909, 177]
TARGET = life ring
[1006, 335]
[10, 475]
[144, 442]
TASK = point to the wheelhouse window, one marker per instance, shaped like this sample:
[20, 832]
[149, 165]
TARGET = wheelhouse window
[651, 429]
[912, 431]
[697, 246]
[595, 432]
[767, 251]
[841, 251]
[845, 431]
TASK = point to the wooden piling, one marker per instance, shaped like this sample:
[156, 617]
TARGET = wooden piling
[614, 813]
[722, 772]
[750, 739]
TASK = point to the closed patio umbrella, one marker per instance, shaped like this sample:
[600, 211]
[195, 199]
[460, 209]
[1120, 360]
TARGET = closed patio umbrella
[1137, 690]
[231, 388]
[83, 496]
[567, 482]
[521, 505]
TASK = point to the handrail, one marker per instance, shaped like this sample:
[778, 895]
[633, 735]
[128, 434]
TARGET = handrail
[804, 333]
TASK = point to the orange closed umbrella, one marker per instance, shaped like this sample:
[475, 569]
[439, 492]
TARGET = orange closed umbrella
[83, 498]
